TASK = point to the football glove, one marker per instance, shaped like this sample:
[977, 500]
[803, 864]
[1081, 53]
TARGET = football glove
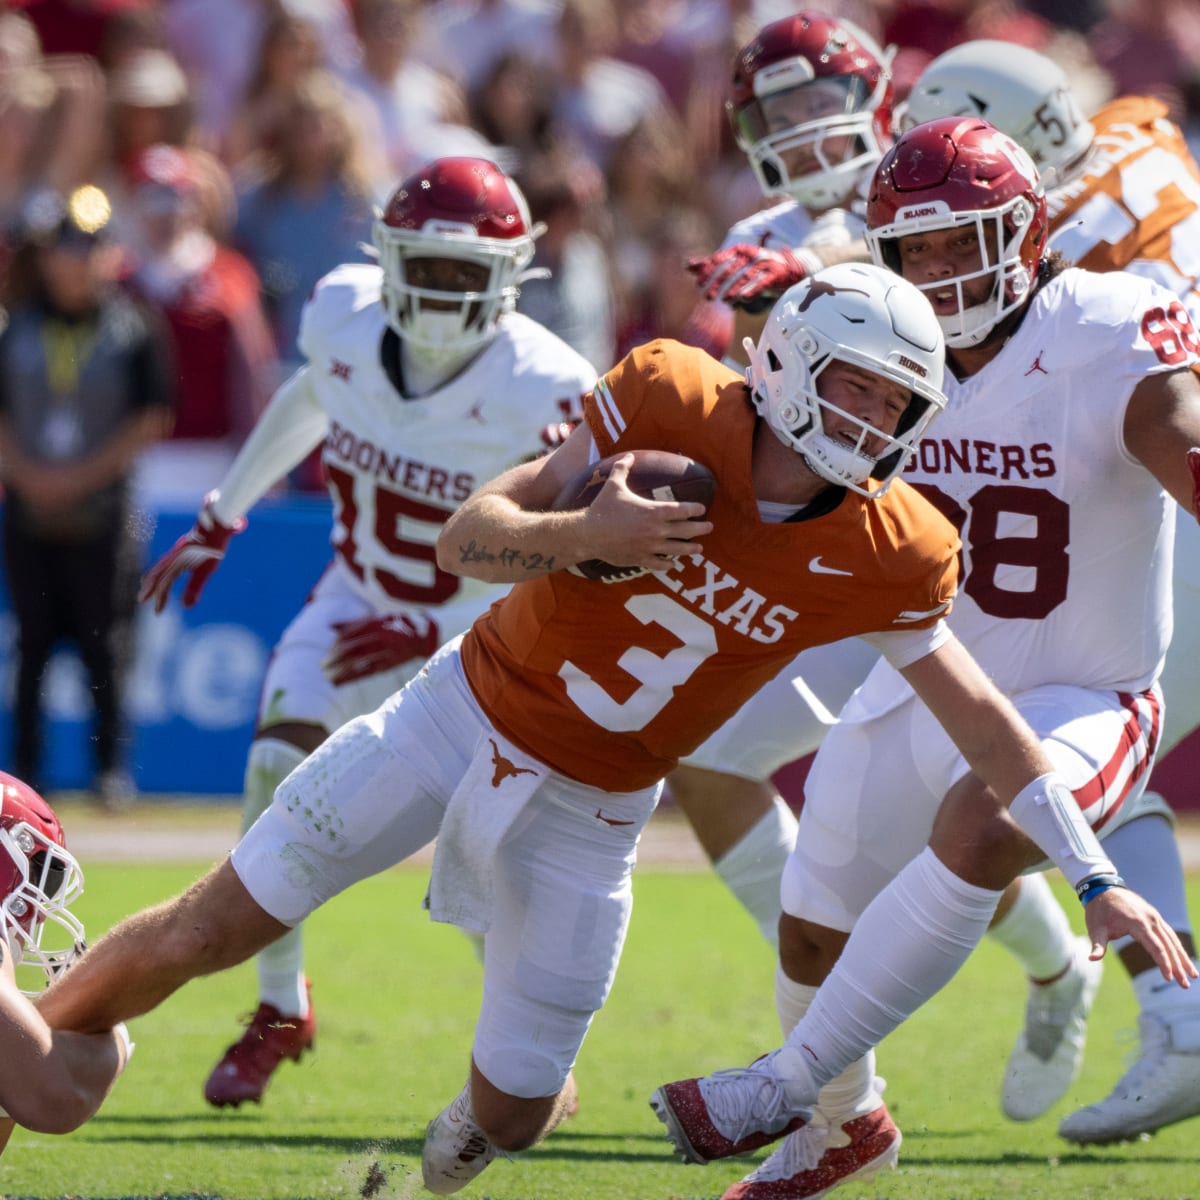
[747, 276]
[1194, 463]
[196, 553]
[373, 644]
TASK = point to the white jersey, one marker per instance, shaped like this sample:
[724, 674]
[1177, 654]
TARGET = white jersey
[1067, 540]
[790, 226]
[398, 467]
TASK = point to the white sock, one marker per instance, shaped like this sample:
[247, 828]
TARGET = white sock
[907, 945]
[752, 868]
[1036, 930]
[1146, 854]
[852, 1094]
[281, 964]
[791, 1000]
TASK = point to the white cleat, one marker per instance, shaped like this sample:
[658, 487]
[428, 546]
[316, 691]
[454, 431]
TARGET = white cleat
[1162, 1087]
[1049, 1050]
[456, 1149]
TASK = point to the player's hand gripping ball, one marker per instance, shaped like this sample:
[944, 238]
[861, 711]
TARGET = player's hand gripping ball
[654, 475]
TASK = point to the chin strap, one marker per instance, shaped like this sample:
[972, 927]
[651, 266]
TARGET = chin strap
[1193, 458]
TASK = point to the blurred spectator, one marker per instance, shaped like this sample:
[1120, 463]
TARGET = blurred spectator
[1150, 48]
[923, 29]
[651, 36]
[308, 211]
[421, 113]
[467, 38]
[599, 98]
[220, 44]
[51, 120]
[650, 176]
[664, 305]
[288, 54]
[209, 297]
[572, 296]
[79, 26]
[83, 390]
[513, 107]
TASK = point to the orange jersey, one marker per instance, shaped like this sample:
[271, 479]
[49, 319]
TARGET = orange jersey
[1136, 206]
[611, 683]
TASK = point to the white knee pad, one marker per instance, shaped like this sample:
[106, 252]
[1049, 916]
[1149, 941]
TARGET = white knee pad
[268, 764]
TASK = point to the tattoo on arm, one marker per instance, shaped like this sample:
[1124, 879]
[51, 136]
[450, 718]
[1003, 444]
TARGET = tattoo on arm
[473, 552]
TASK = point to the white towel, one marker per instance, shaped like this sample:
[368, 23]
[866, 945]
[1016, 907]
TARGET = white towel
[496, 786]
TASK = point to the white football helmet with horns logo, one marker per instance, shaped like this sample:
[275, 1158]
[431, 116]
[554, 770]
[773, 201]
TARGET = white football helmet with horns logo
[1019, 91]
[870, 318]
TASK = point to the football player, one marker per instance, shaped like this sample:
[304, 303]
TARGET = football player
[533, 748]
[811, 105]
[51, 1081]
[1123, 193]
[1071, 422]
[421, 382]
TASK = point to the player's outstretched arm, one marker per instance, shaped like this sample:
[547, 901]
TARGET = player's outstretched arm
[290, 426]
[1026, 812]
[53, 1080]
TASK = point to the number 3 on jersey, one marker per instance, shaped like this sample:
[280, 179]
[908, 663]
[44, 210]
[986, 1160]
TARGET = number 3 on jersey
[391, 510]
[658, 674]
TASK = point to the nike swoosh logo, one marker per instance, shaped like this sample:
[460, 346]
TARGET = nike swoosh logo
[610, 820]
[907, 615]
[818, 568]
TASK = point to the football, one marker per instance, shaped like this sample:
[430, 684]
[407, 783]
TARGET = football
[654, 475]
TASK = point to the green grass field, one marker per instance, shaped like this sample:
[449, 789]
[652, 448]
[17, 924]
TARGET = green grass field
[395, 999]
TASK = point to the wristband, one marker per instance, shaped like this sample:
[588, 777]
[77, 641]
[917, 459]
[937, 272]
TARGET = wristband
[1089, 889]
[1047, 813]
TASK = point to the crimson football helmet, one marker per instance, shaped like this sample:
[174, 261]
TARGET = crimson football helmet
[870, 318]
[811, 105]
[39, 880]
[955, 172]
[457, 208]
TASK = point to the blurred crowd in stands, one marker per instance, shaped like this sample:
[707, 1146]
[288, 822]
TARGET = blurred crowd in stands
[243, 144]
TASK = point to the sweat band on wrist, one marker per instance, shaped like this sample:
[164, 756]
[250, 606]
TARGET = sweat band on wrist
[1089, 889]
[1047, 813]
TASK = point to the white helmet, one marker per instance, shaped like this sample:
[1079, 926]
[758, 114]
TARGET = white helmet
[866, 316]
[1019, 91]
[39, 880]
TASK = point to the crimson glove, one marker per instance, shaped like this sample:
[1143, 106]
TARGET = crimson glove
[373, 644]
[197, 552]
[1194, 463]
[745, 273]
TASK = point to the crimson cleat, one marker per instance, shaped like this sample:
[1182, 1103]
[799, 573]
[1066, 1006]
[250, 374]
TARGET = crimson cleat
[247, 1066]
[727, 1113]
[806, 1166]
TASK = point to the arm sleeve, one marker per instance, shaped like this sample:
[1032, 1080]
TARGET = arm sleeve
[290, 426]
[902, 647]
